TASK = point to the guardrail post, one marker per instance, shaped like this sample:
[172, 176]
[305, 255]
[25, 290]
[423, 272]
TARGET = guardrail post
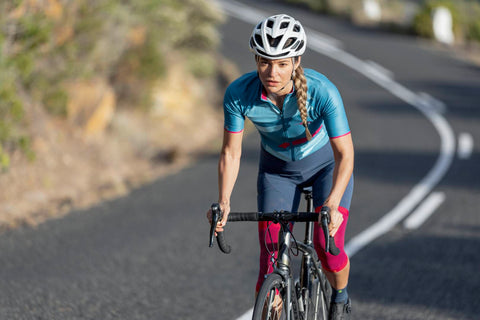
[443, 25]
[372, 10]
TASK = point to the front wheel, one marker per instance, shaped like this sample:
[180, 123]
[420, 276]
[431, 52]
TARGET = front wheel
[318, 299]
[271, 299]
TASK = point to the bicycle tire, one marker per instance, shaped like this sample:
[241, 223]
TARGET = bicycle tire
[267, 306]
[319, 299]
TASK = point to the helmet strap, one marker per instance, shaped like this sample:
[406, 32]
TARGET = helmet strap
[293, 63]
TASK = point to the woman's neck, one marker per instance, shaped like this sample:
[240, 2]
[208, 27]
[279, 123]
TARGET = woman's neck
[278, 97]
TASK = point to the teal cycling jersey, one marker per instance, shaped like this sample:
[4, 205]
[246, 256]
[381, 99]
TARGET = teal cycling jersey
[281, 130]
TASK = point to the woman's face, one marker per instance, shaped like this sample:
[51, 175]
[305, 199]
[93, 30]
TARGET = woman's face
[276, 75]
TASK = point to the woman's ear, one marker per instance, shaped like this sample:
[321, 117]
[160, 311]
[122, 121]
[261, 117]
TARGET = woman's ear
[296, 64]
[297, 61]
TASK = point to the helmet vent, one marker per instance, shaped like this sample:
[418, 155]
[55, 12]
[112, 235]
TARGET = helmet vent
[296, 28]
[270, 23]
[273, 41]
[300, 46]
[252, 43]
[258, 39]
[289, 42]
[284, 25]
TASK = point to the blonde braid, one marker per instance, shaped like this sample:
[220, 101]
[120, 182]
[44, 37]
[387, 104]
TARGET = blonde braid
[301, 92]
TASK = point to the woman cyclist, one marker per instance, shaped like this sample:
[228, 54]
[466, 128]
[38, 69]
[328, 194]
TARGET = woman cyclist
[305, 141]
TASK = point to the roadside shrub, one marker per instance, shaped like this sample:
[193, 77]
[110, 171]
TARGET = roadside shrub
[11, 119]
[474, 31]
[422, 24]
[465, 14]
[315, 5]
[473, 21]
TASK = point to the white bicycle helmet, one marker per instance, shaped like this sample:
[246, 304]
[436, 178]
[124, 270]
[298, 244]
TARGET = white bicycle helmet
[277, 37]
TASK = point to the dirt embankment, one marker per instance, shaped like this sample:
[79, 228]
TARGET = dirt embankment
[103, 151]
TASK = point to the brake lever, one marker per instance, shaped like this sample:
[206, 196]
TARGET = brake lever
[325, 218]
[216, 216]
[330, 245]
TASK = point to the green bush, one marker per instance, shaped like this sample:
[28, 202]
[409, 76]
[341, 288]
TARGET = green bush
[11, 117]
[474, 31]
[473, 21]
[422, 23]
[465, 14]
[316, 5]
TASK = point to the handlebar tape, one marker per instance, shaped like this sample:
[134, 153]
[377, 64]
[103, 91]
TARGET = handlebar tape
[222, 244]
[256, 216]
[333, 249]
[246, 216]
[273, 216]
[329, 240]
[243, 216]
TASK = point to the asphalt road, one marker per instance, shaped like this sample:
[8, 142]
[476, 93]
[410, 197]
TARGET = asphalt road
[145, 256]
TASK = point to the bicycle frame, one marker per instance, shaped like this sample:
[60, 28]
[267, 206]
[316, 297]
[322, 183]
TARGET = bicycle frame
[309, 268]
[309, 265]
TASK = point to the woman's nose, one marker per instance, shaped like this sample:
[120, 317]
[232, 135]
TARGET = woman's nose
[272, 70]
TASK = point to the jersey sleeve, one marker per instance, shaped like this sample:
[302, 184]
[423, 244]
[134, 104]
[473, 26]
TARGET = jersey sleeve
[234, 119]
[333, 113]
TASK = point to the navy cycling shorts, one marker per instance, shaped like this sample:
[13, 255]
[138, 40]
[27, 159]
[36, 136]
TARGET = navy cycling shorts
[279, 187]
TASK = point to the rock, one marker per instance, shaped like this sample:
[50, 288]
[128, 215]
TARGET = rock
[52, 8]
[91, 105]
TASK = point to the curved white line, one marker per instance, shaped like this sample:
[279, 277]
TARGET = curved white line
[424, 210]
[426, 185]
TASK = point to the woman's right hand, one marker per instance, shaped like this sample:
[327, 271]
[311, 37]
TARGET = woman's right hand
[225, 207]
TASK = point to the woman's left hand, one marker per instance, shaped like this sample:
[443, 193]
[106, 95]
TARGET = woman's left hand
[336, 219]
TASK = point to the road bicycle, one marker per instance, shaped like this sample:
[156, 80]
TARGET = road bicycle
[282, 296]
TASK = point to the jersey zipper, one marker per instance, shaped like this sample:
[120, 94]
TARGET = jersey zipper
[284, 125]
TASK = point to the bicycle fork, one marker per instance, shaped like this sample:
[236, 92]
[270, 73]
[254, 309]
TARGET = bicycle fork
[283, 268]
[310, 266]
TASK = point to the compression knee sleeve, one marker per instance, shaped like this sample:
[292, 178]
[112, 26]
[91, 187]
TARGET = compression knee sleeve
[330, 262]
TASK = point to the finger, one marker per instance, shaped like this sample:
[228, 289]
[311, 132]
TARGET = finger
[337, 219]
[336, 223]
[224, 220]
[333, 232]
[333, 226]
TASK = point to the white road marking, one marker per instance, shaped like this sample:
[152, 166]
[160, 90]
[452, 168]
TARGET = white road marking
[425, 106]
[378, 71]
[465, 145]
[247, 315]
[242, 12]
[424, 210]
[429, 106]
[430, 102]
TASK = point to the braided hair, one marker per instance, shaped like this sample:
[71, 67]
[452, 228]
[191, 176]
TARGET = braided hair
[300, 82]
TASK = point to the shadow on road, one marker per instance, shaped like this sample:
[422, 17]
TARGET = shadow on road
[387, 279]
